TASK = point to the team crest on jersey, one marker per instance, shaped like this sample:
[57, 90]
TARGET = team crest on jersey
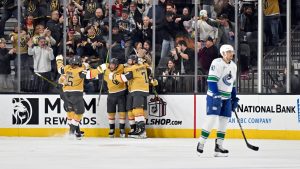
[212, 67]
[227, 78]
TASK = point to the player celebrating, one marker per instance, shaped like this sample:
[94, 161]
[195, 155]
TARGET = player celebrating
[116, 94]
[72, 78]
[138, 77]
[221, 98]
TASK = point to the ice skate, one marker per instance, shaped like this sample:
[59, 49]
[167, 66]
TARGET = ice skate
[122, 133]
[140, 131]
[200, 148]
[220, 151]
[111, 133]
[131, 133]
[140, 136]
[78, 134]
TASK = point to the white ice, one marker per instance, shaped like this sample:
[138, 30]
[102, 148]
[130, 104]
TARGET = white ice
[151, 153]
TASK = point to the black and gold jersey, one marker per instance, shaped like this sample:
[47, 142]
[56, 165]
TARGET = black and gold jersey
[137, 78]
[73, 79]
[113, 85]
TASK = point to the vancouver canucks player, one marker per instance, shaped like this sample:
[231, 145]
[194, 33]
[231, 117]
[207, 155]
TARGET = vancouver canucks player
[221, 98]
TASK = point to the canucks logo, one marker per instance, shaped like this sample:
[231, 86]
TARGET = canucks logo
[298, 109]
[227, 78]
[25, 111]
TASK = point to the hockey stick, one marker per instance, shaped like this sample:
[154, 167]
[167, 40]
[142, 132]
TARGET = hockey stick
[252, 147]
[57, 87]
[101, 86]
[49, 81]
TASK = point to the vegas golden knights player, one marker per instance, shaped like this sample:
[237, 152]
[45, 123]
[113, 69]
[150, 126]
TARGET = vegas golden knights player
[137, 76]
[116, 96]
[72, 78]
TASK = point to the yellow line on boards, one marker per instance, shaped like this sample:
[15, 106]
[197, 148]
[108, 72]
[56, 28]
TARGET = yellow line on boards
[154, 133]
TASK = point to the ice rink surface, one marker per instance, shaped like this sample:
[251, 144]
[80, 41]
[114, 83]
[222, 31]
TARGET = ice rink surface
[151, 153]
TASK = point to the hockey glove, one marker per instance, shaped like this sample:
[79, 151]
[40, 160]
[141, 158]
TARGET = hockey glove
[59, 57]
[234, 103]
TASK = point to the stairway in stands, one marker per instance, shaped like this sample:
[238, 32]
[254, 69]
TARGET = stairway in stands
[274, 64]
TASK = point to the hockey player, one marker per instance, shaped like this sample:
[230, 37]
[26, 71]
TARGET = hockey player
[137, 76]
[116, 94]
[72, 78]
[221, 98]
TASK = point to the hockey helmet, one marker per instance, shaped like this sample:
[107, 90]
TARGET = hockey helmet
[75, 60]
[133, 58]
[226, 48]
[113, 63]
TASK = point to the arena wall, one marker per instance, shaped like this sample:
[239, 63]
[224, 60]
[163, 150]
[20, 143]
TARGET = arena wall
[262, 116]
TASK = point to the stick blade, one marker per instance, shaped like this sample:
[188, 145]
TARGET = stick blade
[252, 147]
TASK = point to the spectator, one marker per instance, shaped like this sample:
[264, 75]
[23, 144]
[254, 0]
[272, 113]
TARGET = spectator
[76, 26]
[134, 13]
[29, 25]
[159, 18]
[46, 33]
[229, 10]
[184, 58]
[55, 25]
[181, 19]
[73, 9]
[204, 29]
[90, 7]
[127, 27]
[9, 9]
[272, 19]
[5, 57]
[117, 49]
[117, 8]
[92, 46]
[42, 57]
[144, 31]
[248, 21]
[169, 79]
[26, 61]
[148, 54]
[98, 22]
[169, 30]
[207, 54]
[225, 30]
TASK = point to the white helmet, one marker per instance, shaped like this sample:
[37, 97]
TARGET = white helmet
[225, 48]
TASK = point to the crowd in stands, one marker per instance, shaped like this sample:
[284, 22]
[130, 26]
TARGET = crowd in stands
[87, 21]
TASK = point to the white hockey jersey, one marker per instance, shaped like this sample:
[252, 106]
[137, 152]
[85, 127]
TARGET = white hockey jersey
[225, 76]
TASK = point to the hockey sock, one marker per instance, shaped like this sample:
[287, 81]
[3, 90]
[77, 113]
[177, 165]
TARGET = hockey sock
[111, 118]
[208, 125]
[70, 116]
[122, 118]
[77, 117]
[221, 129]
[138, 112]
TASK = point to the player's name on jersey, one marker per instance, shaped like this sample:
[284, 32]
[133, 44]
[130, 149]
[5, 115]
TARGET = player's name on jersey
[266, 109]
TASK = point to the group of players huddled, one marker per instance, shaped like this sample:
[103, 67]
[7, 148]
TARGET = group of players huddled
[128, 88]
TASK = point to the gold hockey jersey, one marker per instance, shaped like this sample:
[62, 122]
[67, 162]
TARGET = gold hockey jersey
[73, 81]
[112, 85]
[137, 78]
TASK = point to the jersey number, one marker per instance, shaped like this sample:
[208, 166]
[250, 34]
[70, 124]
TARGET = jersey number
[70, 81]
